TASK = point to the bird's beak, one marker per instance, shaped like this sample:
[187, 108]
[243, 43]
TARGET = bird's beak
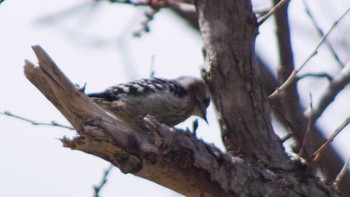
[205, 118]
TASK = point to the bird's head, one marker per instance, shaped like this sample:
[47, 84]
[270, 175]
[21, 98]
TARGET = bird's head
[200, 94]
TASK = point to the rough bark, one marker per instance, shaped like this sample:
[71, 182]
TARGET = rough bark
[331, 162]
[177, 159]
[173, 158]
[229, 29]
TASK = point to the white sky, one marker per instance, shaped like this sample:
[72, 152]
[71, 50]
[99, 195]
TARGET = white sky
[94, 45]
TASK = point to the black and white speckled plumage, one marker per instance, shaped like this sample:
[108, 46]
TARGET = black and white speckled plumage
[169, 101]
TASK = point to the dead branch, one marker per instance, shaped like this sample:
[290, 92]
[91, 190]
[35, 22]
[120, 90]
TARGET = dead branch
[341, 173]
[272, 11]
[321, 33]
[36, 123]
[329, 94]
[318, 153]
[308, 130]
[174, 159]
[99, 187]
[316, 75]
[292, 77]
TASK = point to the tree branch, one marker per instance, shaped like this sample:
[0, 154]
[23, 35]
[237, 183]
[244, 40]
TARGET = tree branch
[341, 174]
[316, 155]
[286, 76]
[331, 162]
[98, 188]
[321, 33]
[235, 83]
[52, 123]
[329, 94]
[278, 6]
[174, 159]
[292, 77]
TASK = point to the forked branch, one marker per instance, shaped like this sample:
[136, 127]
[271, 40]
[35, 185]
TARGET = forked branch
[174, 159]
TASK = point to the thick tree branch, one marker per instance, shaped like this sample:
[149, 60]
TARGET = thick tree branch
[286, 67]
[100, 134]
[229, 30]
[331, 161]
[172, 158]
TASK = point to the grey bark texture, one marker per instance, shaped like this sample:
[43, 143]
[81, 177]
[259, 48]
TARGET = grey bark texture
[255, 163]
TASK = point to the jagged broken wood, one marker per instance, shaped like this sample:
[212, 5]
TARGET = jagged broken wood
[176, 160]
[169, 157]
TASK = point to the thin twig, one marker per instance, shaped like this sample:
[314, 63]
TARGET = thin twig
[272, 11]
[152, 71]
[292, 77]
[321, 33]
[286, 122]
[314, 52]
[103, 182]
[337, 84]
[52, 123]
[195, 127]
[316, 155]
[286, 137]
[317, 75]
[145, 24]
[308, 130]
[341, 173]
[261, 11]
[140, 3]
[286, 84]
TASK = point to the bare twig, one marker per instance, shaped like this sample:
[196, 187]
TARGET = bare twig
[52, 123]
[135, 3]
[195, 127]
[272, 11]
[292, 77]
[162, 3]
[316, 75]
[308, 130]
[318, 153]
[332, 90]
[103, 182]
[321, 33]
[261, 11]
[152, 71]
[341, 173]
[66, 13]
[145, 24]
[314, 52]
[286, 137]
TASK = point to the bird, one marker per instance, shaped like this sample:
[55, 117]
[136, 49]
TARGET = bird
[170, 101]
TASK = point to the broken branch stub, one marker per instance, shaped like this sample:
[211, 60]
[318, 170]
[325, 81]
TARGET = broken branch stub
[174, 159]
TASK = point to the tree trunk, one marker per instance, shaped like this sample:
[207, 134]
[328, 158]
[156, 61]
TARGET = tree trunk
[255, 164]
